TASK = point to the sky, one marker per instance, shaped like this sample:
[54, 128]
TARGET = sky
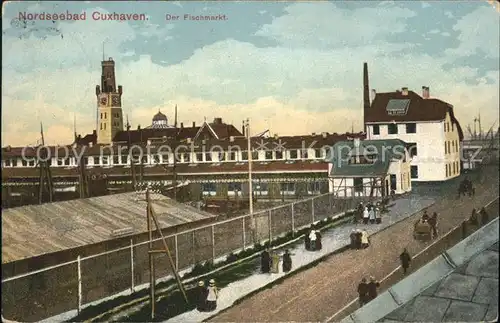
[290, 67]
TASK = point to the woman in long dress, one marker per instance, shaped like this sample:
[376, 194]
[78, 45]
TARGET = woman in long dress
[366, 215]
[371, 215]
[213, 295]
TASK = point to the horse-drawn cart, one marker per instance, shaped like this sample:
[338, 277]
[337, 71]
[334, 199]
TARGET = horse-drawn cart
[422, 231]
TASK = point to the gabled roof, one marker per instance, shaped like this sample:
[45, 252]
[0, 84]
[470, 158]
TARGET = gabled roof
[385, 151]
[417, 109]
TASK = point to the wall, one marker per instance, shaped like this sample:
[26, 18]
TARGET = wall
[429, 138]
[453, 155]
[344, 187]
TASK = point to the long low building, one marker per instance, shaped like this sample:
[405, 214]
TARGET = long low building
[40, 236]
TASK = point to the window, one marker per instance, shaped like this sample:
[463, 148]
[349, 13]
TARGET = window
[411, 128]
[392, 128]
[445, 127]
[376, 129]
[456, 146]
[261, 188]
[24, 162]
[104, 160]
[279, 155]
[318, 153]
[304, 153]
[187, 157]
[232, 156]
[293, 154]
[244, 155]
[105, 115]
[358, 184]
[449, 150]
[124, 159]
[199, 157]
[362, 159]
[31, 162]
[7, 163]
[208, 187]
[116, 160]
[95, 160]
[156, 159]
[269, 155]
[414, 171]
[412, 150]
[445, 147]
[234, 187]
[255, 155]
[454, 168]
[208, 157]
[222, 156]
[101, 126]
[313, 187]
[59, 162]
[101, 115]
[288, 187]
[446, 170]
[104, 126]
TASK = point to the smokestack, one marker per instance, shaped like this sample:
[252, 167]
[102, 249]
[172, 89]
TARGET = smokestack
[194, 124]
[243, 128]
[182, 125]
[366, 87]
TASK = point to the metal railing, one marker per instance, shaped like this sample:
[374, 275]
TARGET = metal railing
[68, 286]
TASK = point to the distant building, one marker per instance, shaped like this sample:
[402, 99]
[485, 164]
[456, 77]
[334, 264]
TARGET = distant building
[427, 124]
[160, 121]
[371, 168]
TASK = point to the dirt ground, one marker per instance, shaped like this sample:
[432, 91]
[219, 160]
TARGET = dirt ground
[318, 293]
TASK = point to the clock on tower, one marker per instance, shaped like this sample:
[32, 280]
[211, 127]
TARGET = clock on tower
[103, 100]
[116, 101]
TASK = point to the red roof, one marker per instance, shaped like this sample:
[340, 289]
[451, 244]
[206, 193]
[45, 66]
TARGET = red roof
[419, 109]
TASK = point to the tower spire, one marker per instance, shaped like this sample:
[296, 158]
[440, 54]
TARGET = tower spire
[103, 56]
[74, 125]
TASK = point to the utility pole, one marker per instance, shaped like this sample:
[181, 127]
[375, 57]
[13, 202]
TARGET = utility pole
[250, 184]
[132, 166]
[174, 153]
[45, 171]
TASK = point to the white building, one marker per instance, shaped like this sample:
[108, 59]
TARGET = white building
[371, 168]
[428, 125]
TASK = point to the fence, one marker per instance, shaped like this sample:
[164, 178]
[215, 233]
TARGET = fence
[450, 239]
[51, 291]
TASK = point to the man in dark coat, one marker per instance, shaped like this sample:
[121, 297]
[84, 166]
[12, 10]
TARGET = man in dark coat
[433, 224]
[484, 216]
[287, 261]
[425, 217]
[372, 289]
[307, 241]
[265, 261]
[405, 260]
[201, 297]
[319, 245]
[363, 292]
[473, 218]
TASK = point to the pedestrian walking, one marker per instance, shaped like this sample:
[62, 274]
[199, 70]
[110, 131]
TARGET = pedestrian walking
[365, 243]
[373, 286]
[213, 295]
[484, 216]
[362, 292]
[378, 215]
[433, 224]
[201, 297]
[312, 238]
[287, 261]
[265, 262]
[371, 215]
[405, 259]
[366, 216]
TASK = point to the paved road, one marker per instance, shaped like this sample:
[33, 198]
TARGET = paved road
[317, 293]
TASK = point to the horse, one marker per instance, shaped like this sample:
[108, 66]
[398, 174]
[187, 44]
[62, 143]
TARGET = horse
[465, 187]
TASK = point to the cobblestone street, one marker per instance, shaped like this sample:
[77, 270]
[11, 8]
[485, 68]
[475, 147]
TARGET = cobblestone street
[316, 294]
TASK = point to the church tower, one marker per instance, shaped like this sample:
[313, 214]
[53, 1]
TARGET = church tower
[109, 104]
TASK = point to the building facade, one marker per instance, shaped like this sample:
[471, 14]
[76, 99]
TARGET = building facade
[427, 124]
[369, 168]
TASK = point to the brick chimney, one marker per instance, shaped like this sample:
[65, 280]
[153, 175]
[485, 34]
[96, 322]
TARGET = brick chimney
[194, 124]
[404, 91]
[182, 125]
[425, 92]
